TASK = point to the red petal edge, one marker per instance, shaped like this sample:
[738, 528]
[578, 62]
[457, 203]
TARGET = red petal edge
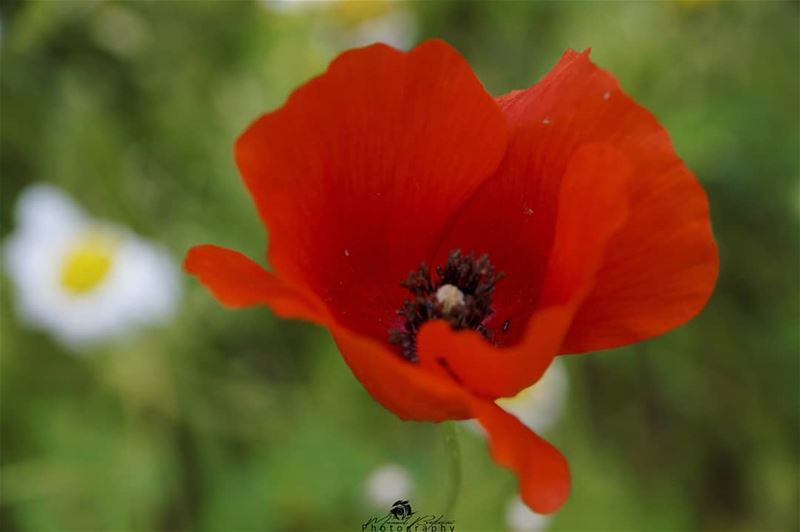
[661, 267]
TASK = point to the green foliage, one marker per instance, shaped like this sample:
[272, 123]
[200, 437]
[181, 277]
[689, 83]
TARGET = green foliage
[241, 421]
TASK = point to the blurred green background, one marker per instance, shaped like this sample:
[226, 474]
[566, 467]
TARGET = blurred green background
[226, 420]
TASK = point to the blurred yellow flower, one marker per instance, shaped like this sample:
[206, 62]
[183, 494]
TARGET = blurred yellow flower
[87, 263]
[85, 281]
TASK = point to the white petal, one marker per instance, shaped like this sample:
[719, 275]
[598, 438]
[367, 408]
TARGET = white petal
[387, 484]
[541, 405]
[519, 517]
[396, 28]
[44, 208]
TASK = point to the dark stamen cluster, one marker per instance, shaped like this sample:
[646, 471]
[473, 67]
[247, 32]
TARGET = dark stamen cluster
[475, 278]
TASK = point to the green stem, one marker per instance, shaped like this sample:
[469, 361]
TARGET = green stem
[451, 443]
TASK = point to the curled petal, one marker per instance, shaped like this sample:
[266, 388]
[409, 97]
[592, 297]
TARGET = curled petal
[661, 267]
[406, 389]
[592, 207]
[541, 470]
[237, 282]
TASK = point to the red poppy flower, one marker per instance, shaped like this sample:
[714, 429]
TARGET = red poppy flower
[557, 219]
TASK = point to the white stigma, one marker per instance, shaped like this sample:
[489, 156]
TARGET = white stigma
[450, 297]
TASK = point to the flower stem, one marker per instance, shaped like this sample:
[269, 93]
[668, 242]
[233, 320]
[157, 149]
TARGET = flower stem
[451, 443]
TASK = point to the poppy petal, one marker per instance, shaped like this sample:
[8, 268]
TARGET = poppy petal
[541, 470]
[415, 394]
[356, 174]
[593, 205]
[406, 389]
[661, 267]
[237, 282]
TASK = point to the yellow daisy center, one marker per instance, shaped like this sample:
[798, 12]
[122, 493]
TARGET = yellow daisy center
[87, 264]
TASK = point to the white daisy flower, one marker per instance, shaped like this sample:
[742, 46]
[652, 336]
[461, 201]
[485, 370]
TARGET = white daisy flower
[387, 484]
[539, 406]
[85, 281]
[519, 517]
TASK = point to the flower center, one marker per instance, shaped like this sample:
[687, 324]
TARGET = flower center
[450, 297]
[87, 264]
[461, 295]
